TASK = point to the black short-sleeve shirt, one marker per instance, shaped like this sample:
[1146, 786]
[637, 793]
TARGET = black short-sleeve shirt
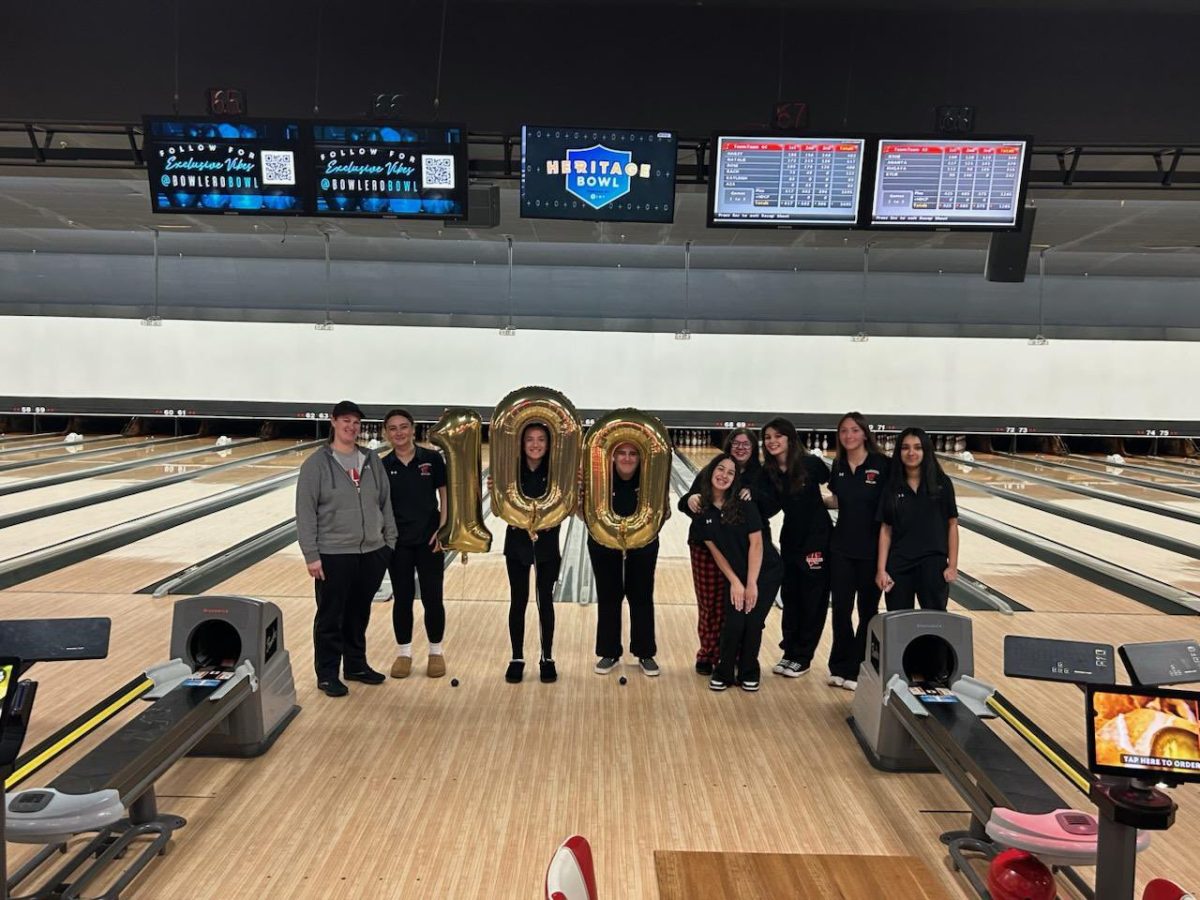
[751, 478]
[806, 522]
[517, 543]
[415, 494]
[920, 523]
[856, 534]
[733, 540]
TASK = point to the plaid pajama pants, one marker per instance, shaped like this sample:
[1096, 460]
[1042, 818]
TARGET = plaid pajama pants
[711, 589]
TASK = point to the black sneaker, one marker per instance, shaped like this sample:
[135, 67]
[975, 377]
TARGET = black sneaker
[704, 668]
[649, 666]
[716, 684]
[515, 671]
[333, 688]
[549, 673]
[366, 676]
[749, 684]
[606, 664]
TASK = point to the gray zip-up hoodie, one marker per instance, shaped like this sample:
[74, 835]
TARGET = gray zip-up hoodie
[334, 516]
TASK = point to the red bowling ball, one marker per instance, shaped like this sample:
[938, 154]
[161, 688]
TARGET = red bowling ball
[1019, 875]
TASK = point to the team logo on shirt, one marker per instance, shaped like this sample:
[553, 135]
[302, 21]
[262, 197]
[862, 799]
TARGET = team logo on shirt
[872, 476]
[815, 560]
[425, 469]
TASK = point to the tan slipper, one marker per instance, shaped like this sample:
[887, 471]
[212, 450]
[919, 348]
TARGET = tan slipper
[402, 667]
[437, 666]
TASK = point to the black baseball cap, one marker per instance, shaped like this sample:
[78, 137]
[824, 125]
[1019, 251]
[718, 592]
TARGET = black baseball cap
[346, 408]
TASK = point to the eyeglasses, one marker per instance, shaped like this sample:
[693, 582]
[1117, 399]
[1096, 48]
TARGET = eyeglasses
[742, 445]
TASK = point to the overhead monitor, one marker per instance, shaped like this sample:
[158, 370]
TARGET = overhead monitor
[389, 169]
[773, 181]
[950, 184]
[1143, 732]
[221, 166]
[597, 174]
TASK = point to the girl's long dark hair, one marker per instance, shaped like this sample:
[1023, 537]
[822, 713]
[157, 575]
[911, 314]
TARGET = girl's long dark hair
[795, 477]
[731, 509]
[931, 470]
[753, 463]
[868, 437]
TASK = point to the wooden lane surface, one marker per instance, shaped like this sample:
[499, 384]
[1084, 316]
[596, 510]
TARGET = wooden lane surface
[126, 451]
[1097, 481]
[1106, 468]
[687, 875]
[39, 533]
[478, 784]
[1154, 562]
[129, 568]
[96, 484]
[1166, 466]
[1184, 531]
[64, 452]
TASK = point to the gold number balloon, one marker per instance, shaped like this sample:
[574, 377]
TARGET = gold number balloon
[513, 415]
[647, 433]
[459, 434]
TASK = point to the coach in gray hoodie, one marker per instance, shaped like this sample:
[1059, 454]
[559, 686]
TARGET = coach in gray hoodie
[346, 532]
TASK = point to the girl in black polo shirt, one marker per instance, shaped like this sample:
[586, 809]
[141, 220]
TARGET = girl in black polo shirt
[733, 533]
[543, 554]
[710, 585]
[793, 477]
[857, 482]
[620, 575]
[918, 538]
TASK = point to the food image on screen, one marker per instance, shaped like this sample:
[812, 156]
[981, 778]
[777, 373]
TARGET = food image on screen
[211, 166]
[1147, 732]
[390, 169]
[777, 181]
[951, 183]
[598, 174]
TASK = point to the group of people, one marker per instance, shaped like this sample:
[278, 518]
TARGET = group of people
[359, 516]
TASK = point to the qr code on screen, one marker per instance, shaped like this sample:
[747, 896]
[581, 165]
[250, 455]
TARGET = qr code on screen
[278, 167]
[437, 171]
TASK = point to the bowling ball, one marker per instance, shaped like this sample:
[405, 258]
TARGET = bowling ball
[623, 679]
[1019, 875]
[453, 682]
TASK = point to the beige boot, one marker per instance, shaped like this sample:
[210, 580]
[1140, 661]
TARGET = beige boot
[437, 666]
[402, 667]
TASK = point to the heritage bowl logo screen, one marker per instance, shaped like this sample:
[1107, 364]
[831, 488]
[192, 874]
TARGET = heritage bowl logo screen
[598, 174]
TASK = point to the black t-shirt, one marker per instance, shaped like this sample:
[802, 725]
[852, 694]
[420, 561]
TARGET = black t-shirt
[856, 534]
[733, 540]
[920, 524]
[625, 495]
[806, 522]
[415, 494]
[517, 542]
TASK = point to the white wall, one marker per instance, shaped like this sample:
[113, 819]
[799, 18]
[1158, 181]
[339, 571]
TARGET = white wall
[116, 358]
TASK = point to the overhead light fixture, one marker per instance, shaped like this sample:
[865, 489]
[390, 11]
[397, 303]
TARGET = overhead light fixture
[683, 334]
[1038, 341]
[508, 331]
[327, 325]
[152, 321]
[861, 337]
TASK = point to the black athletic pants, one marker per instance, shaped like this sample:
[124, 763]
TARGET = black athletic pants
[851, 579]
[924, 582]
[429, 567]
[741, 636]
[805, 593]
[518, 584]
[344, 610]
[616, 579]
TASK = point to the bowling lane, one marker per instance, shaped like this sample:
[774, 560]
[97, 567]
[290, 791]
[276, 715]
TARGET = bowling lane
[1098, 481]
[67, 451]
[1184, 531]
[29, 536]
[1189, 474]
[1100, 467]
[127, 450]
[133, 566]
[1154, 562]
[98, 483]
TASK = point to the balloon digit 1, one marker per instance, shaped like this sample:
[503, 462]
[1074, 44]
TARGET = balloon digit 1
[648, 434]
[458, 434]
[515, 413]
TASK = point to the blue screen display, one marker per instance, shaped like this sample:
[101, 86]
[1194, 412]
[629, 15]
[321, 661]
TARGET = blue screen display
[231, 166]
[390, 170]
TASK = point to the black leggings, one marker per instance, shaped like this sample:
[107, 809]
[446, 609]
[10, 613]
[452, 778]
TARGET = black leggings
[924, 582]
[429, 567]
[619, 578]
[805, 593]
[851, 579]
[518, 584]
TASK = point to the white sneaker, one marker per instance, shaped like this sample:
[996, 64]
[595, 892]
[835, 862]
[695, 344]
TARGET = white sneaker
[835, 681]
[849, 684]
[780, 666]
